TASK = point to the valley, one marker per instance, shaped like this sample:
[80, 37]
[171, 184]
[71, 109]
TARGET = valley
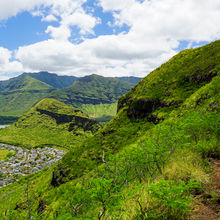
[19, 94]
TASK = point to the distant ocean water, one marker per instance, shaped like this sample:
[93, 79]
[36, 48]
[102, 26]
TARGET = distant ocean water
[3, 126]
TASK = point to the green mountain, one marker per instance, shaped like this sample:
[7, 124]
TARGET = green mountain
[20, 94]
[90, 93]
[53, 79]
[94, 95]
[51, 122]
[151, 161]
[92, 89]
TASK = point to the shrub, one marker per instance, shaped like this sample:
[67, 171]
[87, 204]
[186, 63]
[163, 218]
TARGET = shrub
[167, 199]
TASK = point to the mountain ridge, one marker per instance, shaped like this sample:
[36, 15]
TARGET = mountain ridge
[19, 94]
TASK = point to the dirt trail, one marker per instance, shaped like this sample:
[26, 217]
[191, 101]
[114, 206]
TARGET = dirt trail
[209, 202]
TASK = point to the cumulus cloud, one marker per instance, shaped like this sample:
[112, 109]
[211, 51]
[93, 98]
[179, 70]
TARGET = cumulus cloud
[71, 14]
[104, 55]
[49, 18]
[6, 66]
[9, 8]
[156, 28]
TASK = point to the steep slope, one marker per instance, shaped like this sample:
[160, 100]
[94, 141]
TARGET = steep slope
[50, 122]
[20, 94]
[168, 86]
[131, 79]
[149, 161]
[165, 90]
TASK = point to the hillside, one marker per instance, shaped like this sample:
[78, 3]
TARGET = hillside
[50, 122]
[20, 94]
[151, 161]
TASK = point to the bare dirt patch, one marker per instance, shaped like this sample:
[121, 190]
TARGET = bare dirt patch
[208, 203]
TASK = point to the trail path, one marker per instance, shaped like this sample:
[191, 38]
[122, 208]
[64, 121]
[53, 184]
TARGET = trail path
[209, 202]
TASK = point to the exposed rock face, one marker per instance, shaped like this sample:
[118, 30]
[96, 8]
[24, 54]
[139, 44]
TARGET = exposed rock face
[60, 118]
[142, 107]
[123, 101]
[60, 176]
[52, 114]
[41, 207]
[200, 78]
[85, 123]
[81, 122]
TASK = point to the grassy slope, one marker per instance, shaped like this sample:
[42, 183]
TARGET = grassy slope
[149, 167]
[103, 113]
[3, 154]
[21, 94]
[38, 128]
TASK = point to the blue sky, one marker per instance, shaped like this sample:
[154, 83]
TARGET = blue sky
[106, 37]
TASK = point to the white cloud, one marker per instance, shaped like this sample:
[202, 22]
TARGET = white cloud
[49, 18]
[156, 29]
[114, 5]
[6, 66]
[9, 8]
[103, 55]
[59, 33]
[172, 19]
[71, 14]
[84, 21]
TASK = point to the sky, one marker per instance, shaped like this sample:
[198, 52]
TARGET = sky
[105, 37]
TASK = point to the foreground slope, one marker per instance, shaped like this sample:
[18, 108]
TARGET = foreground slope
[50, 122]
[163, 93]
[149, 161]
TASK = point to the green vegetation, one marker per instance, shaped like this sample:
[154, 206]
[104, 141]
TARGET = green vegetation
[5, 154]
[103, 113]
[148, 162]
[50, 122]
[6, 120]
[100, 110]
[53, 79]
[92, 89]
[19, 94]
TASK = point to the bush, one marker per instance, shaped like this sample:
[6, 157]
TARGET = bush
[169, 200]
